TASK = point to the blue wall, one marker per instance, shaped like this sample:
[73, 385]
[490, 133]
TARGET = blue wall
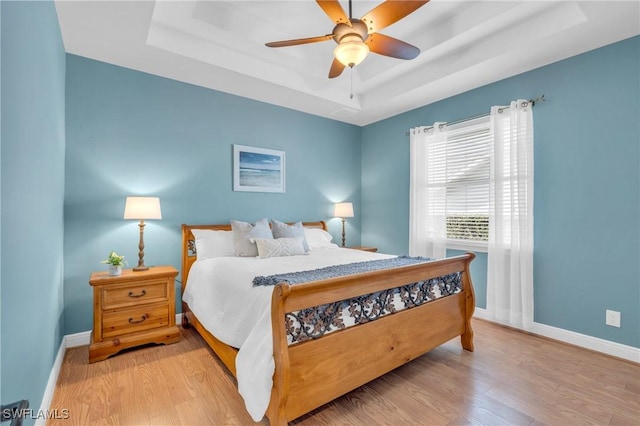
[131, 133]
[587, 185]
[33, 144]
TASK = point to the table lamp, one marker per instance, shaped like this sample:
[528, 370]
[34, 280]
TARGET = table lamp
[142, 208]
[343, 210]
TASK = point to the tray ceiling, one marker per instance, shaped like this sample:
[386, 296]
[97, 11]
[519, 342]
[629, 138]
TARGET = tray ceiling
[220, 45]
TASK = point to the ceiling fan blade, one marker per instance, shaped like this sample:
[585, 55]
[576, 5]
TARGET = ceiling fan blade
[334, 11]
[389, 12]
[389, 46]
[336, 68]
[298, 41]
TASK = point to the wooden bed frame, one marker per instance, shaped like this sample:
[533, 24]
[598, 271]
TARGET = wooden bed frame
[305, 377]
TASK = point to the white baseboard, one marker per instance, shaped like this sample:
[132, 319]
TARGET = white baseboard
[47, 397]
[589, 342]
[77, 339]
[481, 313]
[617, 350]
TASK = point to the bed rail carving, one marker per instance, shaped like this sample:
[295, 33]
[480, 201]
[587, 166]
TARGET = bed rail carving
[316, 321]
[191, 248]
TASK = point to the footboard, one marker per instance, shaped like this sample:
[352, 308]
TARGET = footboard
[312, 373]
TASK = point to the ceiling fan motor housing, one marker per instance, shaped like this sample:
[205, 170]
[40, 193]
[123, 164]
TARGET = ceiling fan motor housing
[357, 27]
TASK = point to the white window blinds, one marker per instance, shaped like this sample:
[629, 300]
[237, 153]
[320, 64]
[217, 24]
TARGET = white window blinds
[450, 183]
[467, 167]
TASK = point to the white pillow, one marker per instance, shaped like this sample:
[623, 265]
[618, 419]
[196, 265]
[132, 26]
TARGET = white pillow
[211, 243]
[244, 233]
[279, 247]
[317, 238]
[282, 230]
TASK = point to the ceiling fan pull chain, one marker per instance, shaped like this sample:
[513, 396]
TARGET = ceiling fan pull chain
[351, 90]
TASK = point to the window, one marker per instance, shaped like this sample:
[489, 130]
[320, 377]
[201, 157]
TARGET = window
[458, 169]
[468, 166]
[471, 187]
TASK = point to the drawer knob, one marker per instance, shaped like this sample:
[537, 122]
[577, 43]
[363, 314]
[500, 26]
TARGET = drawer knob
[142, 293]
[142, 318]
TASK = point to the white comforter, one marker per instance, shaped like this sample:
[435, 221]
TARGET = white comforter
[220, 293]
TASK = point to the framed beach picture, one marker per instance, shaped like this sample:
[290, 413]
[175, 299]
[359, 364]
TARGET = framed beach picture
[258, 169]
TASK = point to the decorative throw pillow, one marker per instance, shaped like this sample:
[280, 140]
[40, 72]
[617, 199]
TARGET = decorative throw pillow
[211, 243]
[279, 247]
[282, 230]
[244, 232]
[317, 238]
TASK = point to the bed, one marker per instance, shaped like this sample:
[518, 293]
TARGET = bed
[310, 372]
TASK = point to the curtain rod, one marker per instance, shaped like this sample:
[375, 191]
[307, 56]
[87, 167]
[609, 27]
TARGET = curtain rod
[531, 101]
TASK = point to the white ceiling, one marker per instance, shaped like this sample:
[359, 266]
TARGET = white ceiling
[220, 45]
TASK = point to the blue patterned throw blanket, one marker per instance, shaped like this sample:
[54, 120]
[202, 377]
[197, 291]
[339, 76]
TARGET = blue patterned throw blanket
[337, 271]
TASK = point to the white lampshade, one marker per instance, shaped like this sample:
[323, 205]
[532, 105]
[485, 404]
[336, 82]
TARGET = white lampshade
[142, 208]
[351, 50]
[343, 210]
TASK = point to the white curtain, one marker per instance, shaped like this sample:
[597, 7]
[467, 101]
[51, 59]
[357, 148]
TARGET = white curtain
[510, 257]
[428, 188]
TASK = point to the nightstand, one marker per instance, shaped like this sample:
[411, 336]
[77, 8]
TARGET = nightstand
[132, 309]
[364, 248]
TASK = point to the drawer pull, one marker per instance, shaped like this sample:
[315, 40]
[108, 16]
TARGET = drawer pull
[142, 318]
[142, 293]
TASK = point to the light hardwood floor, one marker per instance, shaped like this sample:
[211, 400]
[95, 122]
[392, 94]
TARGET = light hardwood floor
[512, 378]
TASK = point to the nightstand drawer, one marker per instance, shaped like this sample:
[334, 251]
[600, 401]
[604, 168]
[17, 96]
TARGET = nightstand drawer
[124, 321]
[149, 291]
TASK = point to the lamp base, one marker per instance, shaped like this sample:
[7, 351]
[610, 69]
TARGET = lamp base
[141, 266]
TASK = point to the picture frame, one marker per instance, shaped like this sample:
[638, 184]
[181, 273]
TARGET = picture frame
[258, 169]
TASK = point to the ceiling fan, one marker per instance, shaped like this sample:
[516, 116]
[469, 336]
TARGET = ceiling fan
[357, 37]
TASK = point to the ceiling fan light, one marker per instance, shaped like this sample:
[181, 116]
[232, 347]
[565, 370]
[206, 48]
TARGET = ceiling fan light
[351, 50]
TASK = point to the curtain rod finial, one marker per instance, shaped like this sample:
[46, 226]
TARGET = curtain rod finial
[538, 99]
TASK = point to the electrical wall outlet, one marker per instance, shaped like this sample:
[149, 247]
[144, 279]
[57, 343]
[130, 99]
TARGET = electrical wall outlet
[613, 318]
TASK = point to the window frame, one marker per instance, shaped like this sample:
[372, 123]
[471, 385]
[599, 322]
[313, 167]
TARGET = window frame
[481, 246]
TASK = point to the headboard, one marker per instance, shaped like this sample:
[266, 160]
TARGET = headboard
[189, 244]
